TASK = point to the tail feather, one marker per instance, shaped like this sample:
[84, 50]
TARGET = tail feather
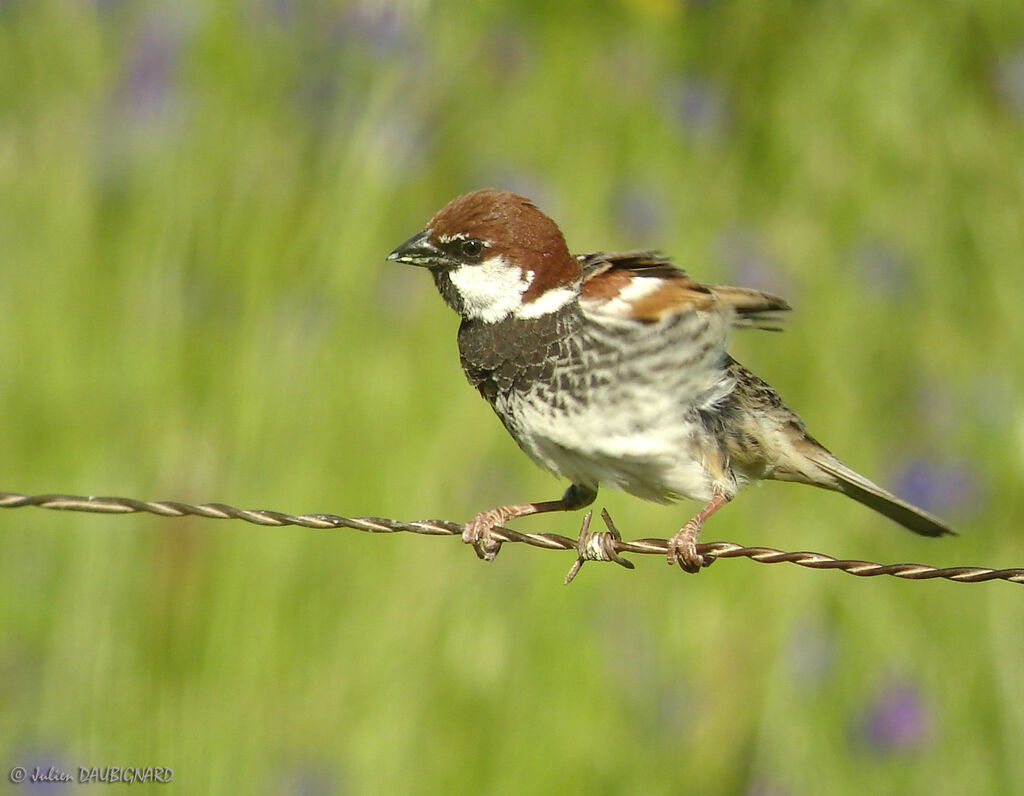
[874, 497]
[753, 309]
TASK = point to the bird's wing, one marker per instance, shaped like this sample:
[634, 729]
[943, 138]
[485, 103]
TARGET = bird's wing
[647, 287]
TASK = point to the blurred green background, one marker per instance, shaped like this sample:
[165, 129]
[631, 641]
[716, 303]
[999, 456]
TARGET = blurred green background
[196, 200]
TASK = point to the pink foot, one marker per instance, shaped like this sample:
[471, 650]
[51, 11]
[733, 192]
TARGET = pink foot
[478, 532]
[682, 549]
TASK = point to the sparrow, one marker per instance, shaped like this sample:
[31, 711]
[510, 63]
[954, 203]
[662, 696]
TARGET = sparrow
[611, 369]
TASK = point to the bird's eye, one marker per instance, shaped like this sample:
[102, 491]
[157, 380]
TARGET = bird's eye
[471, 249]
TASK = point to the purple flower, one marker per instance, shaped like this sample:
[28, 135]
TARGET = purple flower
[384, 27]
[936, 487]
[1009, 81]
[639, 212]
[45, 772]
[897, 719]
[283, 12]
[149, 81]
[699, 106]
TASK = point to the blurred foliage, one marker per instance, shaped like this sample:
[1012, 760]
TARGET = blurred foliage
[195, 203]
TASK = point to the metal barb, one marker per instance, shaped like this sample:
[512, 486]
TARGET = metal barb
[589, 546]
[597, 545]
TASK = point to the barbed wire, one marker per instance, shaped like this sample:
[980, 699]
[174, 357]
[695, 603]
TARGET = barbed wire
[589, 546]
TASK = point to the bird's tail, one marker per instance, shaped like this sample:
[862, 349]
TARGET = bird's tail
[843, 479]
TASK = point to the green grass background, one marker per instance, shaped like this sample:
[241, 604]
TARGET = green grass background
[195, 203]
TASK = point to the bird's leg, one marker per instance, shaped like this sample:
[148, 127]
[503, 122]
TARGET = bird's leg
[478, 530]
[683, 546]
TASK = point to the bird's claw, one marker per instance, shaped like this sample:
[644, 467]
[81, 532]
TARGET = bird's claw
[682, 550]
[479, 533]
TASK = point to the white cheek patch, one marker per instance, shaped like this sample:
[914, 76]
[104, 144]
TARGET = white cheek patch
[493, 290]
[490, 291]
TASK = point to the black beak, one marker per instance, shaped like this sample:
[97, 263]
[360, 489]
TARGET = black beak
[418, 250]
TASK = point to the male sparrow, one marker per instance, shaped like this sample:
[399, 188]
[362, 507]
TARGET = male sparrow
[612, 369]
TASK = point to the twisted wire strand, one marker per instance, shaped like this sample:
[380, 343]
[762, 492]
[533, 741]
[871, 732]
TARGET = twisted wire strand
[589, 546]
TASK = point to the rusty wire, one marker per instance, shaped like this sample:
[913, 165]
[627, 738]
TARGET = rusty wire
[589, 546]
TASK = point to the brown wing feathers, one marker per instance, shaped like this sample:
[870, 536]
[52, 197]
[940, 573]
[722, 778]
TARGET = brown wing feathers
[607, 277]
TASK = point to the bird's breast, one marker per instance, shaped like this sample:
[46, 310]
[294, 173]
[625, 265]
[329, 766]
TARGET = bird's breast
[515, 354]
[617, 406]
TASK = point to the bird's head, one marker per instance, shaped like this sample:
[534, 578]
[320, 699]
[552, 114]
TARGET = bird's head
[493, 255]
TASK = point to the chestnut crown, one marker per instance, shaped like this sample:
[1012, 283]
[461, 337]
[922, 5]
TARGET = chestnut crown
[486, 224]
